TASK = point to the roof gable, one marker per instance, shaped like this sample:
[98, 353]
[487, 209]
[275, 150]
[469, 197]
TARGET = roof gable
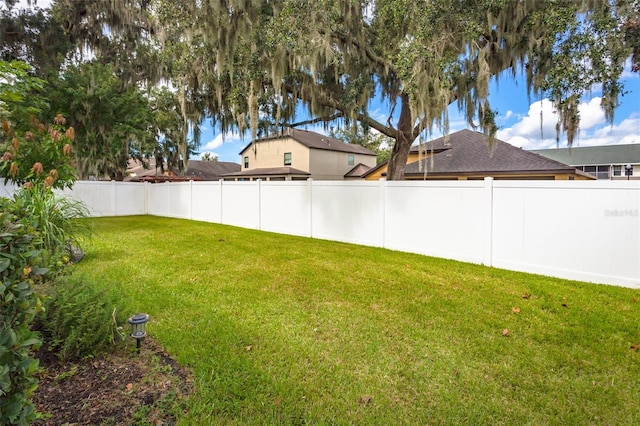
[313, 140]
[467, 152]
[358, 170]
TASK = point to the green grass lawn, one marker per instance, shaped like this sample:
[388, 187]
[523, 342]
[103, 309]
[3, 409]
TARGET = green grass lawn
[288, 330]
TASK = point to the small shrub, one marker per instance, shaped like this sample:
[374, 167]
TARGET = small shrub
[80, 320]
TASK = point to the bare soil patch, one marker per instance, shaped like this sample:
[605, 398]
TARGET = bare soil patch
[120, 388]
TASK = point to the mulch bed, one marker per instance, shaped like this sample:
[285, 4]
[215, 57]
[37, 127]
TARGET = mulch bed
[120, 388]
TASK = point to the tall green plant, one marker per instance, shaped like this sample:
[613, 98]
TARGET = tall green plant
[19, 269]
[53, 216]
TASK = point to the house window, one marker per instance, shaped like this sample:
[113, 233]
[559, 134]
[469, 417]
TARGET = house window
[617, 170]
[246, 162]
[600, 172]
[287, 158]
[603, 172]
[351, 159]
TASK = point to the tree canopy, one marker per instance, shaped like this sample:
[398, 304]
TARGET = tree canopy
[255, 66]
[242, 62]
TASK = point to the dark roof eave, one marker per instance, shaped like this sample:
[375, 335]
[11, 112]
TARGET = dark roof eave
[504, 172]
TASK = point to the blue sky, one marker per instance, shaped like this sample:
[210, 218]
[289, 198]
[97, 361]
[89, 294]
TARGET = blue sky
[518, 119]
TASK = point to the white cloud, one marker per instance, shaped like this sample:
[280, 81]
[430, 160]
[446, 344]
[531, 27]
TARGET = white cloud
[220, 139]
[539, 123]
[214, 143]
[625, 132]
[536, 130]
[591, 114]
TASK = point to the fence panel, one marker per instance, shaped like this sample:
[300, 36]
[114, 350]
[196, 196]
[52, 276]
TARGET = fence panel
[178, 199]
[578, 230]
[241, 204]
[347, 211]
[6, 190]
[130, 199]
[437, 219]
[158, 199]
[205, 202]
[285, 207]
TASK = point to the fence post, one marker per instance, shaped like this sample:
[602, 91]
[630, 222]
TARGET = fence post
[487, 258]
[220, 200]
[382, 185]
[190, 199]
[259, 204]
[114, 197]
[310, 189]
[146, 197]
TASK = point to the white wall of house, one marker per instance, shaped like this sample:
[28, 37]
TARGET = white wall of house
[270, 153]
[322, 164]
[583, 230]
[333, 165]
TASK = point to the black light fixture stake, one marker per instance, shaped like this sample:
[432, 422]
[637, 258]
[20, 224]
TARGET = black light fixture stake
[138, 332]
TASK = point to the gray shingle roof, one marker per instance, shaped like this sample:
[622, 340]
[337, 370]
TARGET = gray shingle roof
[210, 170]
[358, 170]
[204, 170]
[594, 155]
[467, 152]
[314, 140]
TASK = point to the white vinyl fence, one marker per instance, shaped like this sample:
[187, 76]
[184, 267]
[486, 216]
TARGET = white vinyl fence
[583, 230]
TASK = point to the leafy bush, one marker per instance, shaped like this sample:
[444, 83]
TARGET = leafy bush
[35, 227]
[80, 320]
[31, 152]
[41, 155]
[19, 270]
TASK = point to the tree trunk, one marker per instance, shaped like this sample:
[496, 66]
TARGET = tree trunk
[402, 146]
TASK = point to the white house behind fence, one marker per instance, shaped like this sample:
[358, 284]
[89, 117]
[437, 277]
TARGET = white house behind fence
[583, 230]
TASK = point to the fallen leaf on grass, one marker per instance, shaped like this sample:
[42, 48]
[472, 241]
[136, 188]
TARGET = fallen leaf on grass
[365, 400]
[526, 296]
[129, 387]
[505, 332]
[635, 347]
[248, 348]
[515, 310]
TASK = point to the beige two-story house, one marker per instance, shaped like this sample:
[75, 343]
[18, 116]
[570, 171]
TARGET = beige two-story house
[299, 155]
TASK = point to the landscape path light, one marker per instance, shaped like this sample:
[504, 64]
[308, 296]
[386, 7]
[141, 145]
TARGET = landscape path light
[138, 332]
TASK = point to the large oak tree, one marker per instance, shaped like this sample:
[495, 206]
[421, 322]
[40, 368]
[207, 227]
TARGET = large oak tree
[250, 63]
